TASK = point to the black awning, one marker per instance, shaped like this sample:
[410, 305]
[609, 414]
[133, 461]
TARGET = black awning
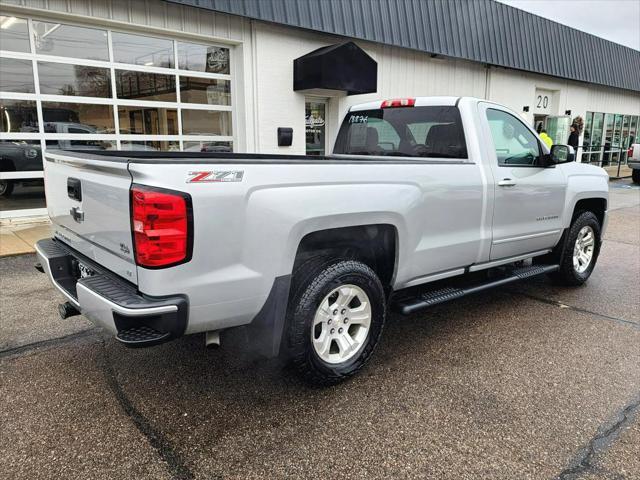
[345, 67]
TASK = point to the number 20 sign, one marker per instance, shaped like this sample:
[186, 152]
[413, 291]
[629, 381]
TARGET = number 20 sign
[543, 101]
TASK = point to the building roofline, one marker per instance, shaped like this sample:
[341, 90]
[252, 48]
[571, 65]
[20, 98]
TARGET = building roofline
[484, 31]
[564, 25]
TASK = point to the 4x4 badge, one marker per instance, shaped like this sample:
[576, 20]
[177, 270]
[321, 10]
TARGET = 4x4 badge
[215, 176]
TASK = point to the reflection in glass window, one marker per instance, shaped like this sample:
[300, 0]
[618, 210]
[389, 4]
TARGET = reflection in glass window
[14, 34]
[151, 146]
[76, 80]
[61, 117]
[513, 142]
[145, 86]
[608, 129]
[16, 75]
[208, 146]
[141, 50]
[148, 121]
[81, 144]
[20, 155]
[633, 131]
[586, 139]
[70, 41]
[596, 132]
[616, 132]
[18, 116]
[203, 58]
[205, 122]
[315, 129]
[205, 90]
[625, 131]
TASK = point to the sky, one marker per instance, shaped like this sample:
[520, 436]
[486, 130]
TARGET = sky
[615, 20]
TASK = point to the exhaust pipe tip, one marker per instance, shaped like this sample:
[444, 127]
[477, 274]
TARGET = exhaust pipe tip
[67, 310]
[212, 339]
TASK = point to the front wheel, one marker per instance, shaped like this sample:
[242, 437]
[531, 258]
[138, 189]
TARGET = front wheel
[580, 250]
[336, 315]
[635, 175]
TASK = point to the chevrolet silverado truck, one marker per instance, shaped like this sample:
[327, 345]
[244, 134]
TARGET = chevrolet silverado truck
[424, 200]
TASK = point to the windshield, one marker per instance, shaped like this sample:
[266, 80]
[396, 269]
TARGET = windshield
[403, 131]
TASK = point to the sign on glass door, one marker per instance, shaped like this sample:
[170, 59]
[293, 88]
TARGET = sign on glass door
[315, 127]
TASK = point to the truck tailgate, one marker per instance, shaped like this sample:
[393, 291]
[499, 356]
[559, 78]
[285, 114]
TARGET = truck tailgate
[88, 202]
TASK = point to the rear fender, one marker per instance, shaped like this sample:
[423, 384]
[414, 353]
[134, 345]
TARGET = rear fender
[298, 214]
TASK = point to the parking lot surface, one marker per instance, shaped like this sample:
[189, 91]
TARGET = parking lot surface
[530, 381]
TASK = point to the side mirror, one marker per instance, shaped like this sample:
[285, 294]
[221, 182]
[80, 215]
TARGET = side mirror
[561, 154]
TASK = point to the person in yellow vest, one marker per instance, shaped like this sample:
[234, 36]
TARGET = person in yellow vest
[546, 138]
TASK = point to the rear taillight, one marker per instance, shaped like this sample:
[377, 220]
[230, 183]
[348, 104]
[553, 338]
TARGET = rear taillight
[630, 152]
[161, 224]
[399, 102]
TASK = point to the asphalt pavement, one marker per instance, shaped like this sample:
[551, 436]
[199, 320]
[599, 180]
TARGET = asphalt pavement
[530, 381]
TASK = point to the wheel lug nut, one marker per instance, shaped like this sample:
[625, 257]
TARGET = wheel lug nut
[343, 311]
[329, 321]
[335, 312]
[332, 331]
[346, 320]
[339, 330]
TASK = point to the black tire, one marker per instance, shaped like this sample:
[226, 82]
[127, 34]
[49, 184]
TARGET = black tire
[312, 282]
[635, 175]
[568, 275]
[6, 188]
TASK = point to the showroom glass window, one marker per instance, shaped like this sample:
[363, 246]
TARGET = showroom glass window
[114, 90]
[607, 137]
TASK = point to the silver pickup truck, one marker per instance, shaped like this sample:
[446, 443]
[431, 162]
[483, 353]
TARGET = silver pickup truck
[424, 200]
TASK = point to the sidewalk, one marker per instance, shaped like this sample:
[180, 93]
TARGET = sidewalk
[18, 239]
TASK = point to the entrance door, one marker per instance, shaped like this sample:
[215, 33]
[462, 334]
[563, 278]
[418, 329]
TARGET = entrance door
[315, 126]
[528, 197]
[558, 128]
[539, 122]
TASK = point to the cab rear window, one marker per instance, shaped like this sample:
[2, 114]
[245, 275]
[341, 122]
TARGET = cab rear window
[426, 132]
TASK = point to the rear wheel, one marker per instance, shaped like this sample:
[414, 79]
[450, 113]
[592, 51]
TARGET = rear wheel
[6, 188]
[336, 316]
[580, 250]
[635, 175]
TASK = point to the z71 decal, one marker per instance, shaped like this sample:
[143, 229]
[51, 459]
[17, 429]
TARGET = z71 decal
[215, 176]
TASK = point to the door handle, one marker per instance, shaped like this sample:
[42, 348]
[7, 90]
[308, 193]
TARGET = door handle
[507, 182]
[74, 189]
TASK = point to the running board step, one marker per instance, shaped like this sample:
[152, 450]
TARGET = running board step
[407, 306]
[141, 336]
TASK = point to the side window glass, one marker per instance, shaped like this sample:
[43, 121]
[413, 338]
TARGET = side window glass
[513, 141]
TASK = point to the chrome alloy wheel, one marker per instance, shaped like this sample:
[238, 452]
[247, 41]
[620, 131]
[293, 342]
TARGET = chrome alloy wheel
[583, 249]
[341, 324]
